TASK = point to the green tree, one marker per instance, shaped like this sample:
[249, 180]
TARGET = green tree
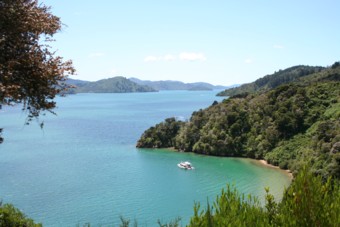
[162, 135]
[30, 73]
[336, 64]
[310, 201]
[11, 216]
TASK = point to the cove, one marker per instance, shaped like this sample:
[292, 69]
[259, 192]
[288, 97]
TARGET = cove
[84, 167]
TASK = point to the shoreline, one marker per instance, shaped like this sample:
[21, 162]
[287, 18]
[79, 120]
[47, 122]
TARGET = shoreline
[265, 163]
[261, 162]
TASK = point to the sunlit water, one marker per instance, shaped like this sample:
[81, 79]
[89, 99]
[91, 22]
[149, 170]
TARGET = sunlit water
[84, 167]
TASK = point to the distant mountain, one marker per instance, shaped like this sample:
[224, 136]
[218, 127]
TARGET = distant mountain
[77, 82]
[161, 85]
[176, 85]
[272, 81]
[200, 88]
[111, 85]
[203, 85]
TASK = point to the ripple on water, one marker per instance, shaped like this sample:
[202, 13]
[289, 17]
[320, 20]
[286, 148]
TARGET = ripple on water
[83, 167]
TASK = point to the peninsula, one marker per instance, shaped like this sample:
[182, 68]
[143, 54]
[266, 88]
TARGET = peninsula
[111, 85]
[295, 123]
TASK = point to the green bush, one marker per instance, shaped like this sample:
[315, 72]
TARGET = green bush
[12, 217]
[309, 201]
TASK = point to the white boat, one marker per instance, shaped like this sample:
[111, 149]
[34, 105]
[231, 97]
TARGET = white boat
[185, 165]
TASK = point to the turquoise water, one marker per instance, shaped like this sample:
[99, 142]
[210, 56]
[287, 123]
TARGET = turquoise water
[84, 167]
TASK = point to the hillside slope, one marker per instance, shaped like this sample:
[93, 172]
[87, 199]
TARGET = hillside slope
[272, 81]
[290, 125]
[177, 85]
[111, 85]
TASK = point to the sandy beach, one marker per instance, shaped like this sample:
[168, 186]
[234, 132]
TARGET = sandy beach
[265, 163]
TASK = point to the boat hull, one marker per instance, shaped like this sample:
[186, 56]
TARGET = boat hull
[185, 167]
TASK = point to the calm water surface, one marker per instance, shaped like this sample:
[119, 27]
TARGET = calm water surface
[84, 167]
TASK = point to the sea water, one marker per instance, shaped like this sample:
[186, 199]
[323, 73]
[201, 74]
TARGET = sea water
[83, 167]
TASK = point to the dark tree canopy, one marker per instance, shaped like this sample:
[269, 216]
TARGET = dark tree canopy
[30, 73]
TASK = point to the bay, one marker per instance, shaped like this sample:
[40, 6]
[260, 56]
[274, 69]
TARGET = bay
[83, 165]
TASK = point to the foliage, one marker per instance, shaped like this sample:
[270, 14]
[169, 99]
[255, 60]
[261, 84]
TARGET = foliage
[12, 217]
[230, 209]
[272, 81]
[288, 126]
[309, 201]
[336, 65]
[162, 135]
[112, 85]
[126, 222]
[29, 72]
[174, 223]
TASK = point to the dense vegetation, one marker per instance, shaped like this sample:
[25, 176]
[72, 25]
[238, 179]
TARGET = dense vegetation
[162, 135]
[112, 85]
[309, 201]
[272, 81]
[12, 217]
[288, 126]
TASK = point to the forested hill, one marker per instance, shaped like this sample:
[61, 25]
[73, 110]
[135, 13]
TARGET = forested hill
[274, 80]
[288, 126]
[177, 85]
[111, 85]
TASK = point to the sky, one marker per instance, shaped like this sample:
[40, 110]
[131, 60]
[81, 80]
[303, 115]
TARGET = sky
[222, 42]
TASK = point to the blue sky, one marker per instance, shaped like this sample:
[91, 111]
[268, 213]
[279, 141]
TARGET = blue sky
[217, 41]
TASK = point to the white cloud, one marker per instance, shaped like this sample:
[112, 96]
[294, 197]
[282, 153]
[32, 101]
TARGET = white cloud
[169, 57]
[96, 55]
[248, 61]
[151, 59]
[191, 56]
[277, 46]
